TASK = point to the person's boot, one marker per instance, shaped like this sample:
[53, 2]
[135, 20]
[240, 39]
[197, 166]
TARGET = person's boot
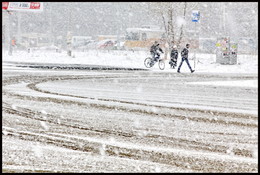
[192, 71]
[178, 71]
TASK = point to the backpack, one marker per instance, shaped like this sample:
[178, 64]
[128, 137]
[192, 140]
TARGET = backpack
[152, 49]
[184, 52]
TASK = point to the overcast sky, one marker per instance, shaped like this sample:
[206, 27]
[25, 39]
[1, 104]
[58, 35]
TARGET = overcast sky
[110, 18]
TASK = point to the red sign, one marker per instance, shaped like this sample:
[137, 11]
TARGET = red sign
[35, 5]
[5, 5]
[22, 6]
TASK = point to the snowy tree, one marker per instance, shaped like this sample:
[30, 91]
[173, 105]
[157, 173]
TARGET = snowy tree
[173, 18]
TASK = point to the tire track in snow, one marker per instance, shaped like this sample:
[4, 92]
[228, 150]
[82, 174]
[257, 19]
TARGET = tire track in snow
[193, 162]
[181, 142]
[212, 112]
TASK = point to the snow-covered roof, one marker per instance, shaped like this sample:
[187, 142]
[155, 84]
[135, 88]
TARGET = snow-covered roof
[82, 37]
[34, 35]
[143, 29]
[107, 35]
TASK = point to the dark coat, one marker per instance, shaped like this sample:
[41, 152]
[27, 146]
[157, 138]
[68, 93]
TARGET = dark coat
[155, 48]
[174, 54]
[184, 53]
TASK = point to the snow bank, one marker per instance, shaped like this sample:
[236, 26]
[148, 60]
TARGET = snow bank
[205, 63]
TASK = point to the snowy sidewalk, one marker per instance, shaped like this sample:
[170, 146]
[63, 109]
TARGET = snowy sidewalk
[247, 64]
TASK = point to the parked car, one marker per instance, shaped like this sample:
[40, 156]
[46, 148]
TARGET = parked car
[106, 44]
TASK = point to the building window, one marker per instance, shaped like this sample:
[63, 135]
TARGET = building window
[144, 36]
[132, 36]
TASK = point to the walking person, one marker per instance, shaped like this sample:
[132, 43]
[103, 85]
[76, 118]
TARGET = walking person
[12, 46]
[174, 57]
[184, 55]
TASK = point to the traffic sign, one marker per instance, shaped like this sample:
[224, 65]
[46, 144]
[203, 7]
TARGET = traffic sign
[22, 6]
[195, 16]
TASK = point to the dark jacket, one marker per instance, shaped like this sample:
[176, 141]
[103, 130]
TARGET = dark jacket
[155, 49]
[174, 54]
[184, 53]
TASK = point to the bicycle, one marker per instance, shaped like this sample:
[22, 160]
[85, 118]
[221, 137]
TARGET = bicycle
[149, 62]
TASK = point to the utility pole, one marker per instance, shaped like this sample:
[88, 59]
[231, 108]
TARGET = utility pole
[256, 32]
[118, 37]
[6, 29]
[195, 48]
[224, 18]
[196, 18]
[69, 35]
[9, 35]
[50, 32]
[19, 27]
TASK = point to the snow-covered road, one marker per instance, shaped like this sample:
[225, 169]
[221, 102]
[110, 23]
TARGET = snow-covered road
[128, 121]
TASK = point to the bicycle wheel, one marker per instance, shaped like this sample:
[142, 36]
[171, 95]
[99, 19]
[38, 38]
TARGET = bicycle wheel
[161, 64]
[148, 62]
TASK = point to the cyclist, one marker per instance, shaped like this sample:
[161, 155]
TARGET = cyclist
[154, 50]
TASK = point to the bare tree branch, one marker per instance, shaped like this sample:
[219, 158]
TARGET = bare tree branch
[169, 12]
[181, 34]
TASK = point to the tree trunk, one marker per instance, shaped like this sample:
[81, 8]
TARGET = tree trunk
[168, 16]
[181, 34]
[167, 36]
[172, 36]
[169, 28]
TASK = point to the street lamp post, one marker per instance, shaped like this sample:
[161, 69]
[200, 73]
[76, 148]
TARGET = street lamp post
[224, 19]
[51, 27]
[256, 33]
[19, 27]
[9, 44]
[6, 29]
[195, 18]
[69, 36]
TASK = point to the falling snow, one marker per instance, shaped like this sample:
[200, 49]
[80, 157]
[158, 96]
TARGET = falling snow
[91, 105]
